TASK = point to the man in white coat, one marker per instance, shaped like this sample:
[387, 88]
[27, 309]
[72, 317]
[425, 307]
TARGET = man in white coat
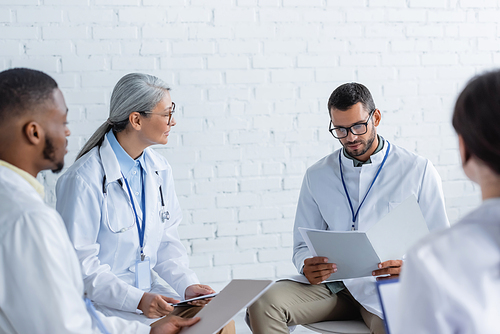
[41, 287]
[350, 189]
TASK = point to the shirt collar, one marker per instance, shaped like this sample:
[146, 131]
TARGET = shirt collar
[27, 176]
[358, 163]
[124, 160]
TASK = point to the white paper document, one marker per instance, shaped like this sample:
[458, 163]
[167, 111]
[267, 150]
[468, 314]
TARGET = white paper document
[296, 278]
[358, 253]
[237, 295]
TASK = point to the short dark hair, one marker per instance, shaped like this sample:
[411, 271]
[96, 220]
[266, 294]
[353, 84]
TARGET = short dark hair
[21, 89]
[347, 95]
[477, 119]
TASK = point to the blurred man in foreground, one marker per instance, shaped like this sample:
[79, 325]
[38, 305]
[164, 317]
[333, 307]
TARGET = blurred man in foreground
[41, 285]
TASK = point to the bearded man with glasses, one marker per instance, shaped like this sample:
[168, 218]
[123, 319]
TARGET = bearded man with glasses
[350, 189]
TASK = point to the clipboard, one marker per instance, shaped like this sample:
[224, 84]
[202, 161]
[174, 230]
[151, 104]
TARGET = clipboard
[388, 294]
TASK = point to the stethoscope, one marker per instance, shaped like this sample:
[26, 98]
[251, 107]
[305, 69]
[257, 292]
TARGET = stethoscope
[164, 214]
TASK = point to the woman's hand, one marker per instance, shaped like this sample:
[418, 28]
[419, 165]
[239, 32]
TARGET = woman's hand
[197, 290]
[155, 306]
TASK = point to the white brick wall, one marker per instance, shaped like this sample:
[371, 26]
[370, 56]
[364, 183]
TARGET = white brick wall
[251, 79]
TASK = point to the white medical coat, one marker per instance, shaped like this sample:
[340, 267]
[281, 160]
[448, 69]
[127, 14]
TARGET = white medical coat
[451, 280]
[324, 205]
[41, 287]
[107, 258]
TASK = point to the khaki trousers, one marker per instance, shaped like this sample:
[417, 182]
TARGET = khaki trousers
[191, 311]
[289, 303]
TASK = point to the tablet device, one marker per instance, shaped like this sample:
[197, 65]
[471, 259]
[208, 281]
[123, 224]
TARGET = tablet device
[185, 302]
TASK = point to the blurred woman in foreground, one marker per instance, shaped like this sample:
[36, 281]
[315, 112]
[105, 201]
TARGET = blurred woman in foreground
[451, 280]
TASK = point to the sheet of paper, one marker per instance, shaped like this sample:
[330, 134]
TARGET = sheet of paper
[358, 253]
[295, 278]
[351, 251]
[301, 279]
[303, 232]
[237, 295]
[405, 225]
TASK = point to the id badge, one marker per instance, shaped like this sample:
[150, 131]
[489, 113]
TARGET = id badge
[142, 274]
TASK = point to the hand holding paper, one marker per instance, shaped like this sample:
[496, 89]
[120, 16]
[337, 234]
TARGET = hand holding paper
[155, 306]
[391, 268]
[372, 252]
[171, 325]
[317, 269]
[198, 290]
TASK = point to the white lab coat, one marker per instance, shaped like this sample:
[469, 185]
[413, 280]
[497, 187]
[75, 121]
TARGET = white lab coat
[324, 205]
[107, 258]
[451, 280]
[41, 287]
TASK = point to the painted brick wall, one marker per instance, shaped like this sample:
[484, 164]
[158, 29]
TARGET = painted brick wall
[251, 79]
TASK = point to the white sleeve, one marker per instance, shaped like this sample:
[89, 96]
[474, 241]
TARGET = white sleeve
[119, 325]
[431, 199]
[309, 216]
[172, 262]
[41, 280]
[423, 304]
[80, 209]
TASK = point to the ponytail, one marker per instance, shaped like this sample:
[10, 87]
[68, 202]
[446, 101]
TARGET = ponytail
[135, 92]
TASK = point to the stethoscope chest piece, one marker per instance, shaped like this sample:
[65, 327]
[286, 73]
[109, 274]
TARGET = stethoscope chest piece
[165, 215]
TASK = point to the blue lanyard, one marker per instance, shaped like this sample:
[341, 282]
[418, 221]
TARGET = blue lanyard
[139, 229]
[93, 314]
[355, 215]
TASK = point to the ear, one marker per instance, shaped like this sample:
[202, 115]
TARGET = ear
[377, 116]
[34, 133]
[464, 153]
[135, 120]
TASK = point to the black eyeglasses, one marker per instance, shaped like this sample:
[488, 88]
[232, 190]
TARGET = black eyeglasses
[358, 129]
[169, 114]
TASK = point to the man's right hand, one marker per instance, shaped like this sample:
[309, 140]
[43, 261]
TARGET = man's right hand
[171, 325]
[317, 269]
[155, 306]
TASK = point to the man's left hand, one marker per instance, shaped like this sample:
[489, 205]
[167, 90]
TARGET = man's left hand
[197, 290]
[391, 268]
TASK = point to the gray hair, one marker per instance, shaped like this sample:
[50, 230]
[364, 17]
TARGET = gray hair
[135, 92]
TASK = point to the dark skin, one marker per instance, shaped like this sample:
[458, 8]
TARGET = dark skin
[172, 324]
[28, 134]
[318, 269]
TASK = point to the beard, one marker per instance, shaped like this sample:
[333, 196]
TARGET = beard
[365, 145]
[49, 153]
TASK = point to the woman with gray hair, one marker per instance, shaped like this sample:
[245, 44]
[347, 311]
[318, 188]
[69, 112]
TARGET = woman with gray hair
[120, 208]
